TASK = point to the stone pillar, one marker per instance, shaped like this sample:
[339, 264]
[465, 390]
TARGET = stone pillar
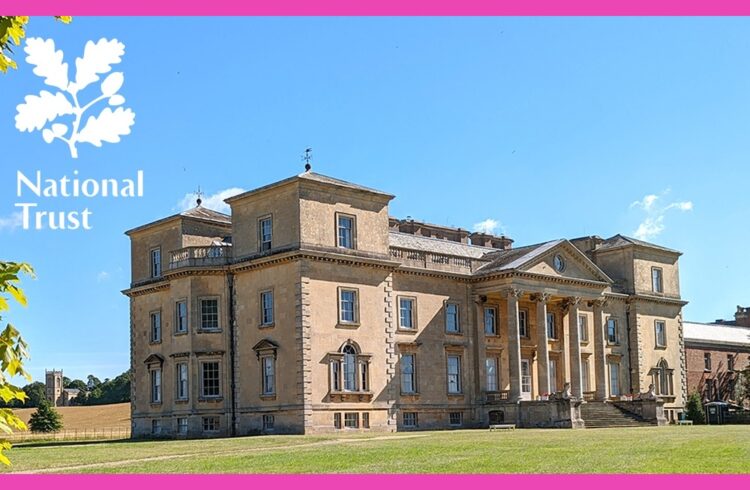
[480, 346]
[600, 353]
[542, 352]
[514, 345]
[576, 384]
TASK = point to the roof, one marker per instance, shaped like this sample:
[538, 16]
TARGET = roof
[198, 213]
[437, 245]
[619, 241]
[314, 177]
[716, 334]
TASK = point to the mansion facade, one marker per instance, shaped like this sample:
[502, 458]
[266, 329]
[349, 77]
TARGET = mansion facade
[311, 309]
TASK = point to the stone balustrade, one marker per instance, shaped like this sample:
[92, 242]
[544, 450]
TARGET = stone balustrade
[435, 261]
[205, 256]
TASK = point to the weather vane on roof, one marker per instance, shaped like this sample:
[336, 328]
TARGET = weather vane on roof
[199, 195]
[307, 157]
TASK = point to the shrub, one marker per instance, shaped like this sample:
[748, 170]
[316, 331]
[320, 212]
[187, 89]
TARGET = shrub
[694, 409]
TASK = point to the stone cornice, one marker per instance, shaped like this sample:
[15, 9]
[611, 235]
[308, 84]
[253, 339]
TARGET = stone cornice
[543, 278]
[657, 299]
[151, 287]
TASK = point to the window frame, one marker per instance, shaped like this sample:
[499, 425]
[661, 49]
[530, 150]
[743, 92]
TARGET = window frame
[269, 422]
[455, 423]
[352, 230]
[157, 380]
[457, 375]
[266, 322]
[179, 395]
[178, 318]
[583, 329]
[413, 373]
[446, 306]
[412, 313]
[663, 343]
[155, 268]
[261, 242]
[413, 420]
[348, 416]
[614, 374]
[180, 426]
[657, 280]
[155, 426]
[155, 327]
[206, 421]
[730, 363]
[355, 306]
[203, 379]
[493, 331]
[267, 388]
[615, 322]
[551, 326]
[201, 327]
[707, 362]
[496, 361]
[523, 332]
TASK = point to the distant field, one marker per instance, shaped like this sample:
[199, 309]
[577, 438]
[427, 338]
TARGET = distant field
[699, 449]
[98, 417]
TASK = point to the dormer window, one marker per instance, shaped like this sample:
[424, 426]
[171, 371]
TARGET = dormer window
[155, 262]
[265, 233]
[345, 225]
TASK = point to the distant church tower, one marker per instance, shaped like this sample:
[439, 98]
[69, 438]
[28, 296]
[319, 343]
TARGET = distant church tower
[54, 387]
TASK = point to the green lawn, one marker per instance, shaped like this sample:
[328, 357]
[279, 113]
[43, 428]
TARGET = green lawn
[723, 449]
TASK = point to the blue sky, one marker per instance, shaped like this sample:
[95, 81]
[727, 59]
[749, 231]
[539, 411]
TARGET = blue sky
[552, 127]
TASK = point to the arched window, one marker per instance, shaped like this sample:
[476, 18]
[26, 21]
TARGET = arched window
[662, 378]
[349, 369]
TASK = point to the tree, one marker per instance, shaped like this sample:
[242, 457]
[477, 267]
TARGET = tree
[36, 393]
[742, 386]
[92, 381]
[694, 409]
[12, 351]
[12, 30]
[45, 419]
[77, 384]
[110, 391]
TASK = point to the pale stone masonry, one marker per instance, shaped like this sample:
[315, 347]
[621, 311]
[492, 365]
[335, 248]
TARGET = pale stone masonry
[310, 309]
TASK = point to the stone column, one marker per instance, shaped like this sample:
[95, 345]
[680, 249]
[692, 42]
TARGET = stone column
[514, 345]
[542, 352]
[576, 384]
[480, 347]
[600, 353]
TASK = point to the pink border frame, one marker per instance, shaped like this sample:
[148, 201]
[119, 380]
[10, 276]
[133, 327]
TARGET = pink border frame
[376, 7]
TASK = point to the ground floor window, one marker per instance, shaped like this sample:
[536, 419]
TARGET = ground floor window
[553, 375]
[210, 424]
[365, 420]
[337, 420]
[268, 421]
[585, 375]
[455, 418]
[614, 379]
[182, 425]
[351, 420]
[156, 426]
[491, 364]
[410, 419]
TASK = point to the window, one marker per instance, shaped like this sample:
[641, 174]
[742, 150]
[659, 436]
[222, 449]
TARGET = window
[210, 381]
[455, 418]
[156, 262]
[351, 420]
[182, 425]
[266, 308]
[585, 376]
[730, 362]
[660, 329]
[614, 379]
[451, 318]
[269, 375]
[490, 321]
[612, 331]
[337, 420]
[348, 306]
[552, 375]
[523, 323]
[210, 424]
[268, 422]
[350, 368]
[265, 233]
[406, 314]
[182, 381]
[657, 284]
[491, 364]
[408, 374]
[365, 420]
[345, 226]
[583, 328]
[663, 379]
[706, 361]
[156, 386]
[156, 326]
[454, 374]
[551, 326]
[209, 314]
[335, 376]
[410, 419]
[156, 426]
[180, 314]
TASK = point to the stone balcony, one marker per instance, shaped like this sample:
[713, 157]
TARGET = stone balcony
[204, 256]
[435, 261]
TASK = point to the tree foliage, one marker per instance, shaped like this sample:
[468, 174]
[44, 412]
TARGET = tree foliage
[12, 30]
[45, 419]
[694, 409]
[742, 386]
[12, 351]
[110, 391]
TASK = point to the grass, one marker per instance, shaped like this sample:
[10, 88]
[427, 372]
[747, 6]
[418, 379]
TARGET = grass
[700, 449]
[116, 416]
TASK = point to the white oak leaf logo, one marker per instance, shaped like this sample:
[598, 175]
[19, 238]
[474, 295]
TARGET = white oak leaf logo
[38, 111]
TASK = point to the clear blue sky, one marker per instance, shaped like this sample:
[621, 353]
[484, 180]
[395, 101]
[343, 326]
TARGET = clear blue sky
[552, 127]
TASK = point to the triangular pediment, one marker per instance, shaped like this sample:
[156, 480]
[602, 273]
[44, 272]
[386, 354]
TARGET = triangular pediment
[561, 259]
[266, 344]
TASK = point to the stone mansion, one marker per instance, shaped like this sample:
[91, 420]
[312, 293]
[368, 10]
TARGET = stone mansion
[311, 309]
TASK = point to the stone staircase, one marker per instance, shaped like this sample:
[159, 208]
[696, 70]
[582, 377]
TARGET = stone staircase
[601, 414]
